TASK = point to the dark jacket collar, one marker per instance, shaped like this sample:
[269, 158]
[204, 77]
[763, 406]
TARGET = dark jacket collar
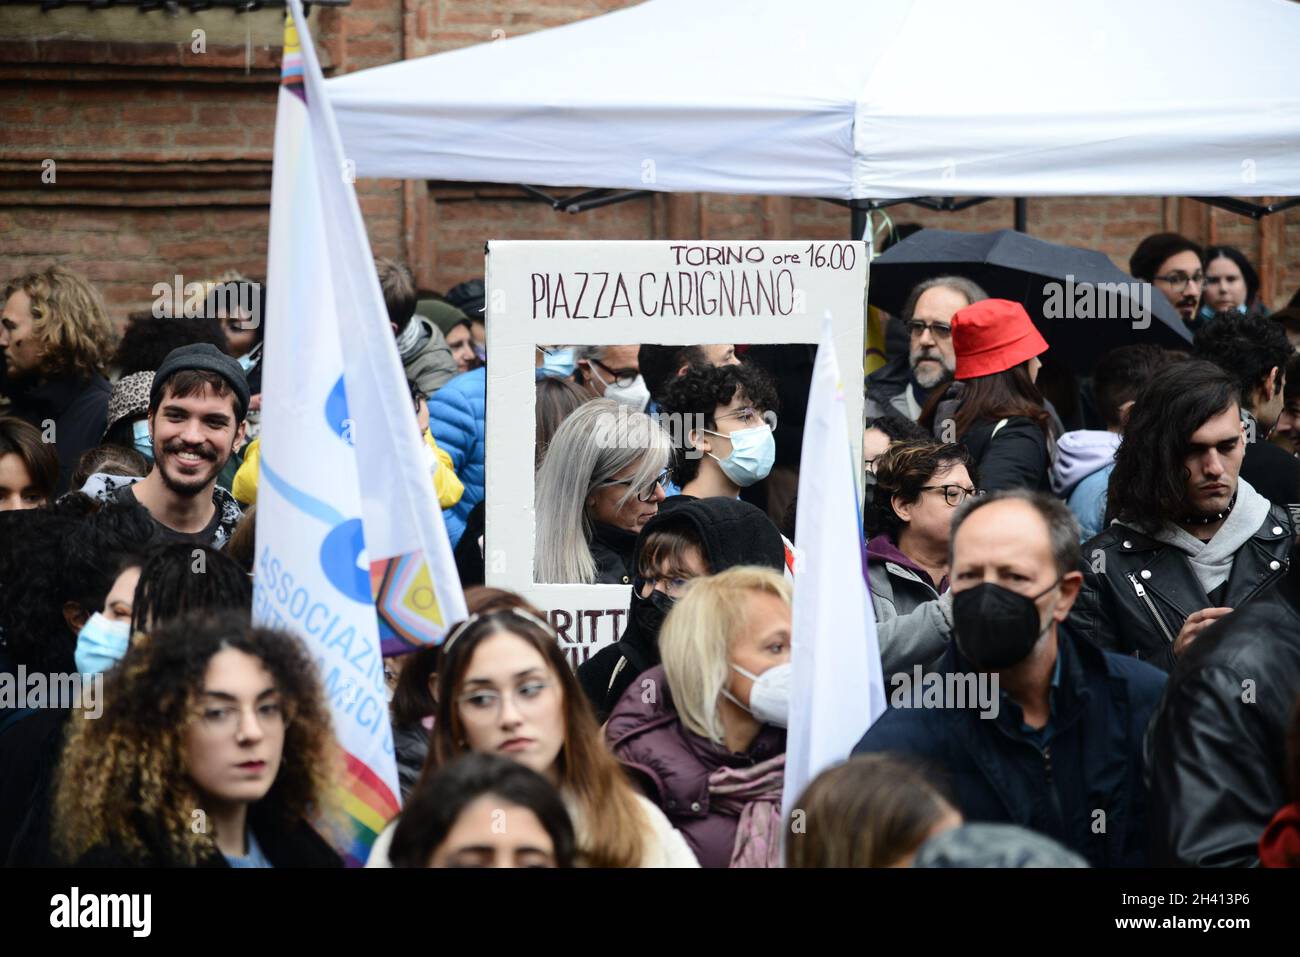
[1069, 697]
[617, 539]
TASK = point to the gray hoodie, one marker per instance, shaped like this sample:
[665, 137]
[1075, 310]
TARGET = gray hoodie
[1078, 455]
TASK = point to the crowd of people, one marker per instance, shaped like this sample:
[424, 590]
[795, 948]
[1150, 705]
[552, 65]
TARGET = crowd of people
[1096, 584]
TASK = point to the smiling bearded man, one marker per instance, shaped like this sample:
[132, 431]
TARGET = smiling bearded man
[197, 406]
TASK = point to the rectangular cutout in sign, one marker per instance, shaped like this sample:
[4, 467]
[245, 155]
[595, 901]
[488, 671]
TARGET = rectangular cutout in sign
[628, 294]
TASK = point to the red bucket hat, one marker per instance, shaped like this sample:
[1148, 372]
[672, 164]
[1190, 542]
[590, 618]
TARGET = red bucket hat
[993, 335]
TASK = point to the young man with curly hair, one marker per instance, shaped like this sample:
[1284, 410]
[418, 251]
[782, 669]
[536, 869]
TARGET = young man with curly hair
[725, 416]
[55, 336]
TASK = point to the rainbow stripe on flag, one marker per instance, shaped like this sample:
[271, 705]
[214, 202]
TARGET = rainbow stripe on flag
[369, 805]
[291, 67]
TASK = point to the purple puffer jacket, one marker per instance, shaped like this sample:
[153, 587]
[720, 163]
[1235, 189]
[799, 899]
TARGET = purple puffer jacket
[674, 764]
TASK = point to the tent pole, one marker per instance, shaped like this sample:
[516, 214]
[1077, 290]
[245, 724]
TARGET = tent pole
[1022, 215]
[857, 222]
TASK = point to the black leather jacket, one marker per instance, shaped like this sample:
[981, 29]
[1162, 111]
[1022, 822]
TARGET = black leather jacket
[1137, 592]
[1216, 749]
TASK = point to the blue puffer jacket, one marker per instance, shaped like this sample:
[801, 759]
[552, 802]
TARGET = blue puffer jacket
[456, 420]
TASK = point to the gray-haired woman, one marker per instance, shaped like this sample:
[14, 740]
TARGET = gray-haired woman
[602, 479]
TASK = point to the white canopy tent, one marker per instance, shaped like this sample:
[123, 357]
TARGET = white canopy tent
[856, 100]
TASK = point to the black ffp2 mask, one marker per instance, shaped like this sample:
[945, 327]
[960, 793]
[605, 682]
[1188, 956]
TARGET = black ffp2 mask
[648, 614]
[995, 626]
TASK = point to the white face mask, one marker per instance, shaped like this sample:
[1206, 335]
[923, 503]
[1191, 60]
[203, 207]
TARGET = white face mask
[636, 396]
[769, 698]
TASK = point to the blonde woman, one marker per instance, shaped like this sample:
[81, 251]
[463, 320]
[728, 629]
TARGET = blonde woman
[704, 732]
[601, 480]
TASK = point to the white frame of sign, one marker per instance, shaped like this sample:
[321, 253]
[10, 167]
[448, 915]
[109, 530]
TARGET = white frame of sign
[523, 312]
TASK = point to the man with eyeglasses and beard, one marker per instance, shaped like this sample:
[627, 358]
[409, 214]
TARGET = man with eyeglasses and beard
[1190, 539]
[197, 406]
[1172, 263]
[905, 383]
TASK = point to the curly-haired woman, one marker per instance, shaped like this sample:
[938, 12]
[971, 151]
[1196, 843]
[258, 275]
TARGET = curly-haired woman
[213, 744]
[918, 487]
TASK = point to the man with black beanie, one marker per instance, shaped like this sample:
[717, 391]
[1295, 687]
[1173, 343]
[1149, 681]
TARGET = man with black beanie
[197, 406]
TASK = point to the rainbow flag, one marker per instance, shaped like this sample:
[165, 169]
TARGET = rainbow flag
[352, 555]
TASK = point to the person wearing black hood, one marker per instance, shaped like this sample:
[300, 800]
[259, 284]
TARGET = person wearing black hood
[694, 537]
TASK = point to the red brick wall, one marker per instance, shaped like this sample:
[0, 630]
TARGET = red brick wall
[162, 158]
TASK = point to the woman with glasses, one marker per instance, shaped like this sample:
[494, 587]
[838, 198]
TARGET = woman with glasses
[601, 480]
[213, 746]
[918, 487]
[505, 688]
[994, 408]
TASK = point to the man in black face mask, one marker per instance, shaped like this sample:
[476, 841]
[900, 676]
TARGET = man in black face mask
[1060, 752]
[692, 538]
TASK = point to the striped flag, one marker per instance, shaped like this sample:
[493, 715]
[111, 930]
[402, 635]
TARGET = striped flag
[837, 685]
[352, 554]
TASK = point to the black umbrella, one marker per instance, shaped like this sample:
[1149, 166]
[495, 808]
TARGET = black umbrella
[1081, 303]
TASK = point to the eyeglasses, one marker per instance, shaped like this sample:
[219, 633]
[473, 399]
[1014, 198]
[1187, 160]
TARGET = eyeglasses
[224, 719]
[915, 328]
[1177, 281]
[648, 495]
[751, 418]
[621, 379]
[484, 704]
[954, 495]
[673, 587]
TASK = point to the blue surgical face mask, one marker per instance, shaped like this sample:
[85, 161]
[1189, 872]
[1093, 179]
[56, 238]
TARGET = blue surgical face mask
[1207, 313]
[101, 643]
[752, 453]
[246, 361]
[558, 362]
[141, 439]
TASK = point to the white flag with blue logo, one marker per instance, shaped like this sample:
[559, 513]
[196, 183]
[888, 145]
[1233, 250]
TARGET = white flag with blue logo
[352, 554]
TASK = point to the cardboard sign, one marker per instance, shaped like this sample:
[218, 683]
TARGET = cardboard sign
[613, 293]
